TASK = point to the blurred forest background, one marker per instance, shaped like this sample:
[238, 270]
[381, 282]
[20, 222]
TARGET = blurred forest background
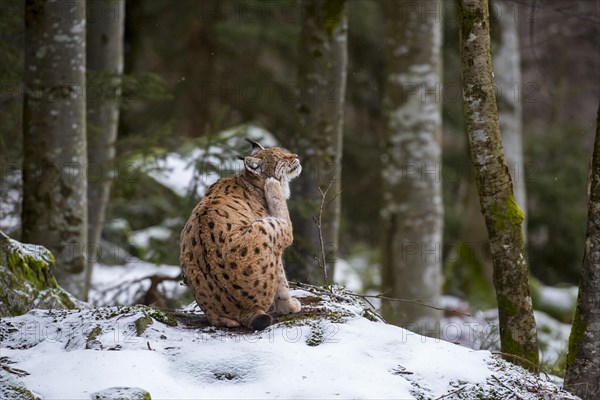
[205, 74]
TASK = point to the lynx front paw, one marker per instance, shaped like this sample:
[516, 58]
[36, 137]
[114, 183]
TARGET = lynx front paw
[273, 186]
[288, 306]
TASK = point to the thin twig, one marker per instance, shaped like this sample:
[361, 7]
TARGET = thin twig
[460, 389]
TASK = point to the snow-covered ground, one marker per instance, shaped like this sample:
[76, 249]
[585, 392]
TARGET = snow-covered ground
[332, 351]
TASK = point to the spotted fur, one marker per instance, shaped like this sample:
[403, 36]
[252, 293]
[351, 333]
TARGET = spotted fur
[231, 246]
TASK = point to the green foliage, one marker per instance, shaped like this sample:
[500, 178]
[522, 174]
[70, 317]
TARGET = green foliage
[577, 336]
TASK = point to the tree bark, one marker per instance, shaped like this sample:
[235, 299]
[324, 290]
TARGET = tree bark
[104, 71]
[54, 160]
[583, 360]
[318, 139]
[503, 217]
[412, 213]
[507, 76]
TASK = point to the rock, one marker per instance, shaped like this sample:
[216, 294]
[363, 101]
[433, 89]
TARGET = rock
[26, 279]
[122, 393]
[12, 388]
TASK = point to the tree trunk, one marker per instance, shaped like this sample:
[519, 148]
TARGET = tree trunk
[503, 217]
[507, 76]
[412, 213]
[54, 160]
[583, 361]
[318, 140]
[104, 70]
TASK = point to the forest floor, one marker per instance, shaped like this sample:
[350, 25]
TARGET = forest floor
[335, 348]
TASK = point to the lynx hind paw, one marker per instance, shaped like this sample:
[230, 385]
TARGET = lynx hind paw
[289, 306]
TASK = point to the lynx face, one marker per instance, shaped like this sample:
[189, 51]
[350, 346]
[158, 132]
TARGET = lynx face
[275, 163]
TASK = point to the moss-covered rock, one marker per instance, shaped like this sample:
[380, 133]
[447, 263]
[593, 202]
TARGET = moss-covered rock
[26, 279]
[12, 388]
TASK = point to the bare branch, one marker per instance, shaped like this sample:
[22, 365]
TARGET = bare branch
[417, 302]
[318, 219]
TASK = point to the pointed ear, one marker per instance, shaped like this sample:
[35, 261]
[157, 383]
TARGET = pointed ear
[253, 165]
[255, 146]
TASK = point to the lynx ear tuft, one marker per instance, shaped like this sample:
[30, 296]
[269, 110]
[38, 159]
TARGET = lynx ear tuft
[256, 147]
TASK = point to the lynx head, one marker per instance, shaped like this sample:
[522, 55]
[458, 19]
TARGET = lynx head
[272, 162]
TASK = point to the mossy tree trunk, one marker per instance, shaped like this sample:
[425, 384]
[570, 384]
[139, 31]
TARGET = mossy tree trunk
[318, 140]
[503, 217]
[54, 160]
[583, 361]
[507, 76]
[104, 71]
[412, 213]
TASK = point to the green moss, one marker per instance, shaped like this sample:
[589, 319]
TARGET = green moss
[507, 306]
[576, 337]
[333, 11]
[299, 319]
[94, 333]
[161, 316]
[28, 279]
[142, 323]
[21, 393]
[468, 21]
[507, 215]
[315, 337]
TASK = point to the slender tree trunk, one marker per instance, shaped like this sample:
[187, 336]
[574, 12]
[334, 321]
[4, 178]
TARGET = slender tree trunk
[104, 70]
[412, 213]
[54, 123]
[503, 217]
[507, 76]
[583, 361]
[318, 140]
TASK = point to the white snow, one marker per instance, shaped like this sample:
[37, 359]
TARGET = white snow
[347, 276]
[142, 237]
[317, 358]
